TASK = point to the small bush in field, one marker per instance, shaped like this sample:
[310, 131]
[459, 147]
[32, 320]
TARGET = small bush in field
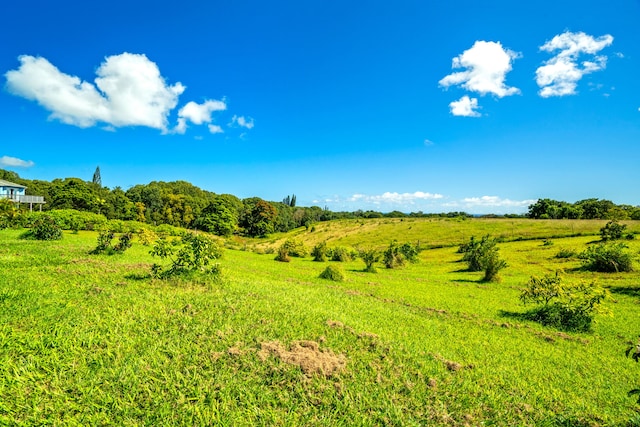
[370, 257]
[283, 254]
[563, 305]
[612, 230]
[193, 253]
[634, 352]
[393, 256]
[482, 255]
[607, 258]
[332, 272]
[410, 252]
[340, 254]
[319, 252]
[105, 245]
[44, 228]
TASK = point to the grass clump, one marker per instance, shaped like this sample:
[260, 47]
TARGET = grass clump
[562, 305]
[334, 273]
[340, 254]
[607, 258]
[566, 253]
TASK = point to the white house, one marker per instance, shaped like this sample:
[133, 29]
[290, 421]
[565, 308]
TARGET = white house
[16, 193]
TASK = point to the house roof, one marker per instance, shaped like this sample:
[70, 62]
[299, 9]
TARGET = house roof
[4, 183]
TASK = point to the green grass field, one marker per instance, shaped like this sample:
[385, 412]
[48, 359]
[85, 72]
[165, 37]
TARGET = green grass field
[94, 340]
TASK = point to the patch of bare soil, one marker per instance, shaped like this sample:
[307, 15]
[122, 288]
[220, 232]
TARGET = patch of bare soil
[305, 354]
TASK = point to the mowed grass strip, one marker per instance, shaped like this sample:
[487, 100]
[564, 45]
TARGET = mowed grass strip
[90, 340]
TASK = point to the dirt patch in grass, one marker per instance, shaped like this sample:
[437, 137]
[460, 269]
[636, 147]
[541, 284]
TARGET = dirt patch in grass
[305, 354]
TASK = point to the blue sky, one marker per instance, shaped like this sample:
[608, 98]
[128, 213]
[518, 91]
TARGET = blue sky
[426, 106]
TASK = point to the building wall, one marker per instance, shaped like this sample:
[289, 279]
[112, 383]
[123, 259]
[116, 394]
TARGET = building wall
[6, 191]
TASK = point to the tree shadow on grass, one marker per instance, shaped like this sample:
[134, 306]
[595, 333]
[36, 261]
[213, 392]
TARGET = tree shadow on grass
[553, 316]
[138, 276]
[632, 291]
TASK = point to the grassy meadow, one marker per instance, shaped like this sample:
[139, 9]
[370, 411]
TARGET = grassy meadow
[94, 340]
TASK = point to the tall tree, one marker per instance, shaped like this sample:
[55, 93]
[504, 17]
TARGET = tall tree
[97, 179]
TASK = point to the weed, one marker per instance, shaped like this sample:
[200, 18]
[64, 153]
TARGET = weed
[333, 272]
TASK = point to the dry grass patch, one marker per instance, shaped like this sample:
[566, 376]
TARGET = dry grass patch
[305, 354]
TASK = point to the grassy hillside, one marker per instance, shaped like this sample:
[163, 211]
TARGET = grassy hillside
[93, 340]
[432, 232]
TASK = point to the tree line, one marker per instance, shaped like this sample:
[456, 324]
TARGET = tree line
[583, 209]
[182, 204]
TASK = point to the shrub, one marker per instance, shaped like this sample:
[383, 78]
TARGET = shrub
[562, 305]
[607, 258]
[319, 252]
[283, 254]
[296, 248]
[193, 253]
[104, 243]
[44, 228]
[340, 254]
[612, 231]
[393, 256]
[332, 272]
[482, 255]
[370, 257]
[492, 266]
[146, 236]
[634, 352]
[410, 252]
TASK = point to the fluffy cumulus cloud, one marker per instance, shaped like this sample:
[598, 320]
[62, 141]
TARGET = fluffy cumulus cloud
[15, 162]
[559, 75]
[394, 198]
[199, 114]
[486, 65]
[465, 107]
[128, 91]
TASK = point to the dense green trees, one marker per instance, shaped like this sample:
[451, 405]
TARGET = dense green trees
[583, 209]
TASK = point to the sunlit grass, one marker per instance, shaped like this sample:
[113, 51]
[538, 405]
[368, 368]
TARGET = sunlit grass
[93, 340]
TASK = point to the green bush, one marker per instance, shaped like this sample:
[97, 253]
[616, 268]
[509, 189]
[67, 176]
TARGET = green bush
[70, 219]
[44, 228]
[105, 246]
[607, 258]
[562, 305]
[612, 230]
[410, 252]
[482, 255]
[332, 272]
[193, 253]
[319, 252]
[370, 256]
[283, 254]
[340, 254]
[393, 257]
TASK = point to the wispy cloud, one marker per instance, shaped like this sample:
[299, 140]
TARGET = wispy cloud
[245, 122]
[465, 107]
[486, 66]
[559, 75]
[215, 129]
[15, 162]
[494, 202]
[128, 91]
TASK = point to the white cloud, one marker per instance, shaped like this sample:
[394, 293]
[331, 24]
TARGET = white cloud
[388, 198]
[128, 91]
[559, 75]
[242, 121]
[465, 107]
[198, 113]
[15, 162]
[215, 129]
[487, 64]
[428, 143]
[495, 201]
